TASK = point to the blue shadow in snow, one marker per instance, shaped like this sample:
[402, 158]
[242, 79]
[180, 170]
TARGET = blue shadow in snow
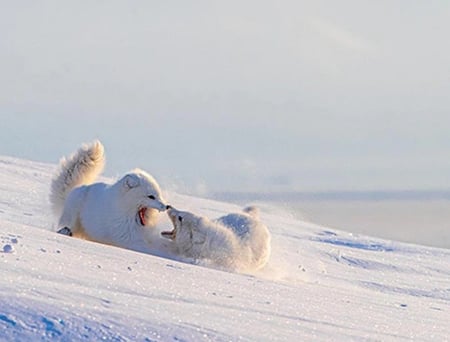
[5, 319]
[365, 245]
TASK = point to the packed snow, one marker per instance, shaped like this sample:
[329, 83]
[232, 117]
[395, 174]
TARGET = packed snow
[320, 283]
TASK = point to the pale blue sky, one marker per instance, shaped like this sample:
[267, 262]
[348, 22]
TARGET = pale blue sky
[234, 95]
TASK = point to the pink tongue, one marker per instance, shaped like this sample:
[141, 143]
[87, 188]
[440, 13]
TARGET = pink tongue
[142, 215]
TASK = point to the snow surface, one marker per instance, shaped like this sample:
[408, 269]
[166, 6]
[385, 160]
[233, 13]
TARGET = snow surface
[320, 284]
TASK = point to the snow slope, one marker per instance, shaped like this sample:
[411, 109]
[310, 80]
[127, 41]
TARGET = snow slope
[320, 284]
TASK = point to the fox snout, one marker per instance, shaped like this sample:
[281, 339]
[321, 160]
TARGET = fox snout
[160, 206]
[163, 207]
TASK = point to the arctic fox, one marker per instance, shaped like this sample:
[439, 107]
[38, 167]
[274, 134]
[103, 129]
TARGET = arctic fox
[118, 214]
[237, 241]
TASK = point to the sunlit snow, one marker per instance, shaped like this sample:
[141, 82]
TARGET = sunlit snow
[320, 284]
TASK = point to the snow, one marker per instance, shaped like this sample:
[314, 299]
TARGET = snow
[320, 284]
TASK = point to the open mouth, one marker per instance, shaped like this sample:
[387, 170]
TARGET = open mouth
[170, 234]
[141, 214]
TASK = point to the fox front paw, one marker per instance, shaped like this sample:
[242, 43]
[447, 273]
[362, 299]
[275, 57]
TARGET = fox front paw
[65, 231]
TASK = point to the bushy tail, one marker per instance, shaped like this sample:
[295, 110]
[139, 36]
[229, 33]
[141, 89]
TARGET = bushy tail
[81, 168]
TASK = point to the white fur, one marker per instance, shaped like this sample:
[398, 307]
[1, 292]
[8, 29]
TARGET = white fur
[236, 241]
[106, 213]
[82, 167]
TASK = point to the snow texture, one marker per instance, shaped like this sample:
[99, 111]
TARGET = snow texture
[321, 284]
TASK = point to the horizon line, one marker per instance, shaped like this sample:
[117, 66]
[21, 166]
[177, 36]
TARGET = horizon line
[347, 195]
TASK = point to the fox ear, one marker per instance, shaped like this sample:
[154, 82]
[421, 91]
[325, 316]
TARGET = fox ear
[131, 181]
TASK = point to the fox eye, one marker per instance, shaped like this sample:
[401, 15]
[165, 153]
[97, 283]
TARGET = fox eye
[180, 218]
[151, 197]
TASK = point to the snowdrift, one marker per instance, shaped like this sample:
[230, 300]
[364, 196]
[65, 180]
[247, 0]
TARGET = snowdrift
[320, 284]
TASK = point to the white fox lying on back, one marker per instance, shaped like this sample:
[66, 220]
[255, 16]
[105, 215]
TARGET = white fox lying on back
[117, 214]
[238, 241]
